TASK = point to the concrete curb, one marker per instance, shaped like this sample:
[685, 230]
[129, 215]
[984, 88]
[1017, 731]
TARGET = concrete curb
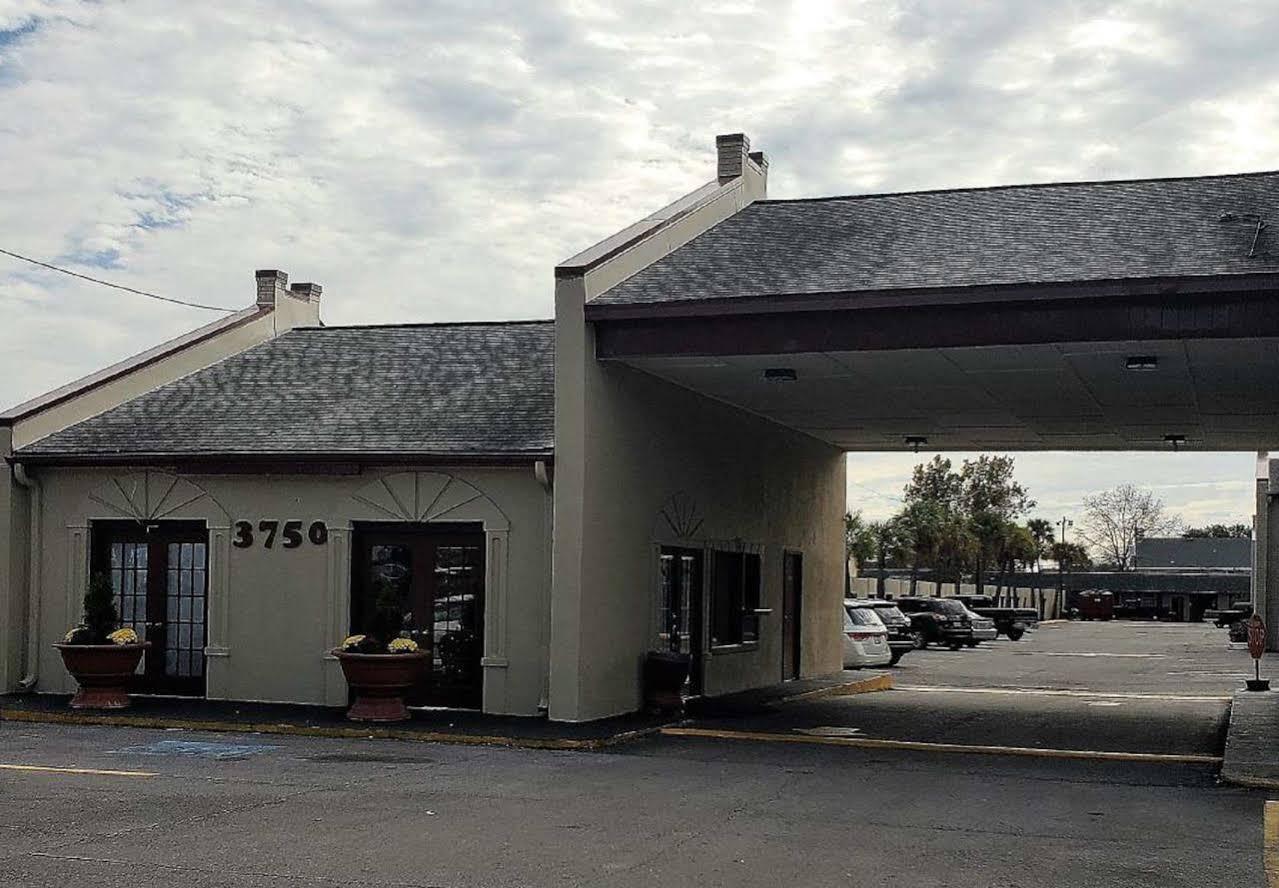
[881, 682]
[370, 732]
[1251, 759]
[921, 746]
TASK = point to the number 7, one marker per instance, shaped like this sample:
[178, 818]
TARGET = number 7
[269, 528]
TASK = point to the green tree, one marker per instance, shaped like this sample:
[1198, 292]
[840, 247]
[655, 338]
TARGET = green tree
[859, 545]
[1219, 531]
[991, 498]
[1071, 556]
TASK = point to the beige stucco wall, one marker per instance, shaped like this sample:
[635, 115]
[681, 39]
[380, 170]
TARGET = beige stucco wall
[626, 443]
[14, 545]
[273, 613]
[749, 481]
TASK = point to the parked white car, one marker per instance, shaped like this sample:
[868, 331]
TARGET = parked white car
[865, 639]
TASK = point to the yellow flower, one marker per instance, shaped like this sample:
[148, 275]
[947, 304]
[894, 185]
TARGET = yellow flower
[70, 636]
[402, 646]
[352, 641]
[123, 636]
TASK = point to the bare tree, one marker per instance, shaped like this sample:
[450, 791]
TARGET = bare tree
[1114, 520]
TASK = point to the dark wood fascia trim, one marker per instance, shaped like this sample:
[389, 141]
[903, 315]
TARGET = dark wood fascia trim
[277, 463]
[933, 296]
[1150, 317]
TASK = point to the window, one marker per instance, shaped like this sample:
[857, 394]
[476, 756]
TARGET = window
[734, 598]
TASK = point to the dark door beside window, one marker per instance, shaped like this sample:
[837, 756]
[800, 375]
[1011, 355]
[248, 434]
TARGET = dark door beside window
[159, 572]
[438, 569]
[681, 616]
[792, 607]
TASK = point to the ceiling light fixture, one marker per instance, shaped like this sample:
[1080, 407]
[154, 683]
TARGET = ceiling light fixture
[780, 374]
[1175, 440]
[1143, 362]
[914, 442]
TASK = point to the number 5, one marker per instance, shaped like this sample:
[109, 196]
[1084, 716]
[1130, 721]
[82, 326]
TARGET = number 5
[292, 534]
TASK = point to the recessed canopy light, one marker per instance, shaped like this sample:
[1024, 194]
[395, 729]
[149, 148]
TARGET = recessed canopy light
[1143, 362]
[915, 442]
[780, 374]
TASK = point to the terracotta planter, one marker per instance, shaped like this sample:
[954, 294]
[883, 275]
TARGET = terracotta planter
[664, 675]
[379, 682]
[103, 672]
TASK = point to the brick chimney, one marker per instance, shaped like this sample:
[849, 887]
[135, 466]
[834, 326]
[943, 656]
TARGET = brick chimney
[274, 284]
[736, 160]
[307, 292]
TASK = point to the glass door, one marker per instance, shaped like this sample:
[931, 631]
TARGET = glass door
[680, 620]
[438, 571]
[159, 572]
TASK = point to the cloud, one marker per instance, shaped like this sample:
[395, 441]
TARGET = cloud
[434, 160]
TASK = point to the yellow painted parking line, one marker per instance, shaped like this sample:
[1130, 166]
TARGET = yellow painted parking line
[1064, 692]
[1271, 836]
[94, 772]
[923, 746]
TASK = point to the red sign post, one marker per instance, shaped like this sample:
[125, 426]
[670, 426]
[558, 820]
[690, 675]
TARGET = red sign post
[1256, 647]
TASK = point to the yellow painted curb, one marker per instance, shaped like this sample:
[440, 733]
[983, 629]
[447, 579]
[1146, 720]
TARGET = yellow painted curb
[1270, 833]
[93, 772]
[333, 731]
[922, 746]
[882, 682]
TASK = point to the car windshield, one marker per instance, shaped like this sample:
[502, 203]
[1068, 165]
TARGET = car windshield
[890, 615]
[951, 607]
[864, 616]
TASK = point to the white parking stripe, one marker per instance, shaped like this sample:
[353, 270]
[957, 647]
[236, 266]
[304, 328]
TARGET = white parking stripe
[1062, 692]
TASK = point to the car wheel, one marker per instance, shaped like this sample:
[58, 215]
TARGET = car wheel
[897, 655]
[1015, 634]
[971, 644]
[954, 645]
[920, 639]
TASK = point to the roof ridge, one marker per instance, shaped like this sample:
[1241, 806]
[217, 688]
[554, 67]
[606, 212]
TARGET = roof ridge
[415, 324]
[1021, 186]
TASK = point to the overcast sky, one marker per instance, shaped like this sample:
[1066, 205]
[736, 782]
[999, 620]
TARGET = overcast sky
[434, 160]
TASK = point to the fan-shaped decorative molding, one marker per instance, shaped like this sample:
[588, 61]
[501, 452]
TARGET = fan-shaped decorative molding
[680, 516]
[430, 496]
[150, 496]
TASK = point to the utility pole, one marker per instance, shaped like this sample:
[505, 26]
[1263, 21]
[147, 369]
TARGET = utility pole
[1064, 523]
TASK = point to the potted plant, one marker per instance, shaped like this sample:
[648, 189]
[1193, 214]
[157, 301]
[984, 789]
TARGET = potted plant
[381, 664]
[666, 671]
[101, 656]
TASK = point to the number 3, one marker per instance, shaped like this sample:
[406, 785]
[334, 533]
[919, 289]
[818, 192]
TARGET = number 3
[243, 535]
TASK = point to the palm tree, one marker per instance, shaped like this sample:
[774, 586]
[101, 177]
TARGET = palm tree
[1041, 531]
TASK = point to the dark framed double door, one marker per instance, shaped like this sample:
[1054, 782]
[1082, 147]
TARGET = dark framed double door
[438, 572]
[159, 573]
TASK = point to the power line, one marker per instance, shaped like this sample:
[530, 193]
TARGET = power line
[94, 280]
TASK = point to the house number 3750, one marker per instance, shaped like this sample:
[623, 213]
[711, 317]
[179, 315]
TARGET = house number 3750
[289, 533]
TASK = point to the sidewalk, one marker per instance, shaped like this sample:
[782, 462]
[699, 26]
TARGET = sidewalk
[1252, 741]
[437, 726]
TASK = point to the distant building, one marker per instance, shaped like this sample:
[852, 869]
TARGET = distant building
[1181, 555]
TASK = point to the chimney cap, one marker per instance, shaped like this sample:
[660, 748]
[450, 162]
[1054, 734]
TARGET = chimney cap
[306, 291]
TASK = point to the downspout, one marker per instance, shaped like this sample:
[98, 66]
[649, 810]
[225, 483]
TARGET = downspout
[28, 681]
[543, 476]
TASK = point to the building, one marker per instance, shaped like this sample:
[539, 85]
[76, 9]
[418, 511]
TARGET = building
[666, 456]
[1205, 553]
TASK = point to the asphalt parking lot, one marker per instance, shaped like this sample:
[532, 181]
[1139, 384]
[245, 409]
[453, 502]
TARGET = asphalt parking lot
[1142, 688]
[140, 807]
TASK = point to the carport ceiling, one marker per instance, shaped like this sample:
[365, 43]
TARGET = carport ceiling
[1217, 394]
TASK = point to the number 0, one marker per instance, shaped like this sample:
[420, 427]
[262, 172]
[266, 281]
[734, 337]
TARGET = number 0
[318, 533]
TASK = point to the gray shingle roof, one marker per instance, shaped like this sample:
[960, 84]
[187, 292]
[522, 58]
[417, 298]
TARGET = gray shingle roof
[447, 389]
[1210, 552]
[991, 236]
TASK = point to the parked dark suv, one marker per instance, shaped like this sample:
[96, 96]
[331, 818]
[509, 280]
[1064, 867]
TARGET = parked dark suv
[938, 621]
[901, 637]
